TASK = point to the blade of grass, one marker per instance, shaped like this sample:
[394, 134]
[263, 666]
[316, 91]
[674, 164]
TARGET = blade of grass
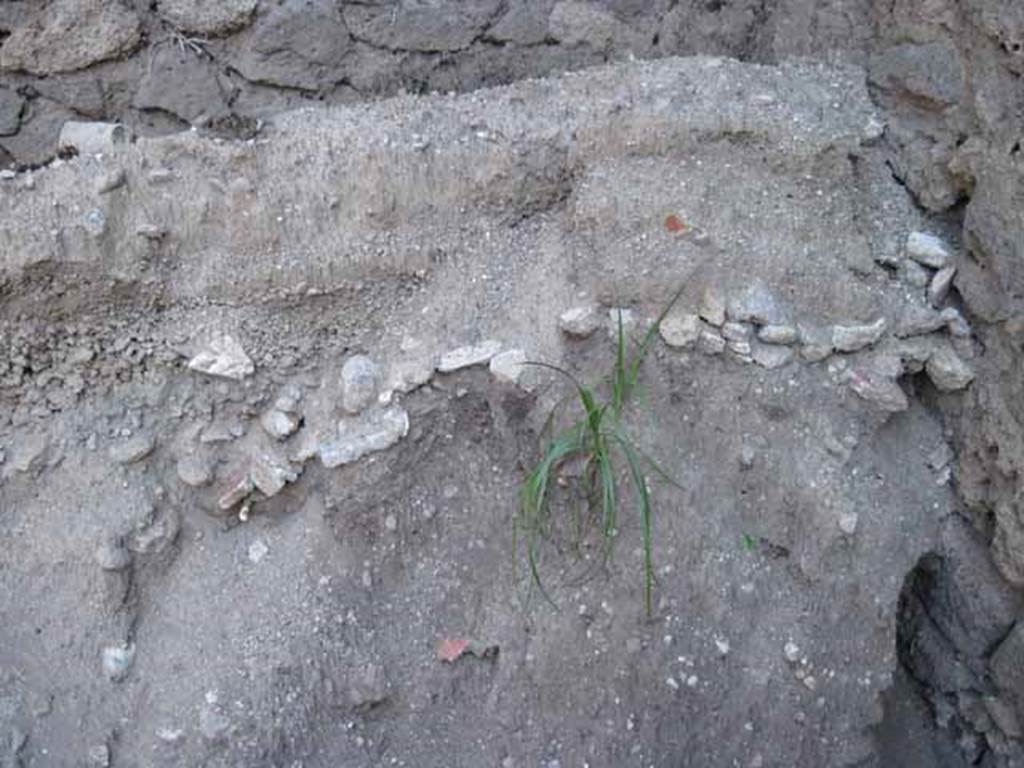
[619, 390]
[644, 503]
[606, 476]
[637, 360]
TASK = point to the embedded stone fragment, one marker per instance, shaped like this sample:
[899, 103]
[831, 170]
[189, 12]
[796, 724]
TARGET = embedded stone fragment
[270, 475]
[918, 321]
[373, 431]
[710, 343]
[207, 17]
[360, 380]
[278, 424]
[508, 366]
[771, 356]
[580, 321]
[712, 307]
[194, 471]
[927, 249]
[778, 334]
[939, 287]
[680, 330]
[464, 357]
[816, 343]
[851, 338]
[755, 304]
[875, 381]
[223, 357]
[236, 492]
[947, 371]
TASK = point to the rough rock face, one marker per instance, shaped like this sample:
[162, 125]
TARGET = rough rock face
[67, 35]
[207, 17]
[223, 64]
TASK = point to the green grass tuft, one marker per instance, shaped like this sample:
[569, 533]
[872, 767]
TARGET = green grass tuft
[598, 439]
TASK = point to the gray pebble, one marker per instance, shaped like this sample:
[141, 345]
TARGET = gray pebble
[580, 321]
[112, 555]
[117, 661]
[927, 249]
[360, 381]
[851, 338]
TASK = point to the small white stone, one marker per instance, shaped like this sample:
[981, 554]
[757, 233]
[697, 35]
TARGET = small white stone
[712, 307]
[771, 356]
[927, 249]
[464, 357]
[791, 651]
[508, 366]
[117, 661]
[223, 357]
[722, 646]
[278, 424]
[360, 380]
[580, 321]
[680, 330]
[257, 551]
[371, 432]
[939, 287]
[778, 334]
[848, 523]
[947, 371]
[691, 681]
[672, 683]
[391, 523]
[913, 274]
[736, 332]
[710, 343]
[740, 348]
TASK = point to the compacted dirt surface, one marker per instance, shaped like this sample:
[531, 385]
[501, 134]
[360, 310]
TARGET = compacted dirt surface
[266, 404]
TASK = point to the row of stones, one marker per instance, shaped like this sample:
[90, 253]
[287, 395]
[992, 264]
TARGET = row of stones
[753, 328]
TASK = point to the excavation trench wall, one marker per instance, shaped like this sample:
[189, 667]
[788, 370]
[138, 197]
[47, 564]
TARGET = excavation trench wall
[454, 219]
